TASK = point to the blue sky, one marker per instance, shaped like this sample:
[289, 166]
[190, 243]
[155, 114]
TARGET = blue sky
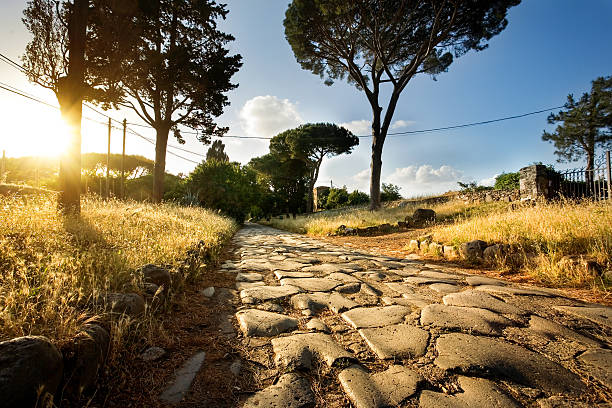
[549, 49]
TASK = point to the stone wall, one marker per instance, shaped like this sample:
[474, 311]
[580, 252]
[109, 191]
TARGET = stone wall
[316, 193]
[489, 196]
[535, 183]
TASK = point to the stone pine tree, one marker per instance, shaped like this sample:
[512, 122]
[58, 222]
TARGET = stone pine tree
[374, 43]
[179, 72]
[216, 152]
[311, 143]
[585, 125]
[75, 51]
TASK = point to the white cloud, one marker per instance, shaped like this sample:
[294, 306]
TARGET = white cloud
[266, 116]
[361, 180]
[425, 179]
[398, 124]
[488, 182]
[358, 127]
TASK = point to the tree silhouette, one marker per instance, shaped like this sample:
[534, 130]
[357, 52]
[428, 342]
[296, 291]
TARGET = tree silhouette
[75, 51]
[216, 151]
[178, 72]
[586, 124]
[311, 143]
[377, 42]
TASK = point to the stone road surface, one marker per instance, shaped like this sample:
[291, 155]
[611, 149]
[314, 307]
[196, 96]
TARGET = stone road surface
[324, 325]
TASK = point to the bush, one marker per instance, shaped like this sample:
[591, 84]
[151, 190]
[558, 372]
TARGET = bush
[472, 186]
[507, 181]
[358, 198]
[390, 192]
[225, 186]
[337, 197]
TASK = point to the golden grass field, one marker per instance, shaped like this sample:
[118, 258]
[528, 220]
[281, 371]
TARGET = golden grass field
[55, 267]
[542, 234]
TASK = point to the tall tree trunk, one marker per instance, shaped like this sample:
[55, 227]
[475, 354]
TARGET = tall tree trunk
[376, 162]
[159, 171]
[310, 195]
[70, 98]
[590, 174]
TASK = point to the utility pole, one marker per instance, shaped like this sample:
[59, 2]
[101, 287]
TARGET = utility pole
[123, 162]
[108, 161]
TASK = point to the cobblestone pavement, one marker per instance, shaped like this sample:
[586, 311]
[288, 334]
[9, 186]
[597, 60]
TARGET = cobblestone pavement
[323, 325]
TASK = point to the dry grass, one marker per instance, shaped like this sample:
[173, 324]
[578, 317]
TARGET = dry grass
[327, 222]
[544, 233]
[54, 268]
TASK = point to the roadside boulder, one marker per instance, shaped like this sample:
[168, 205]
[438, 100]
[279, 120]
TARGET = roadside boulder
[30, 372]
[131, 304]
[494, 253]
[157, 275]
[85, 359]
[473, 250]
[423, 215]
[581, 263]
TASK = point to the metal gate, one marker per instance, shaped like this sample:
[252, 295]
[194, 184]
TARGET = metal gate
[592, 184]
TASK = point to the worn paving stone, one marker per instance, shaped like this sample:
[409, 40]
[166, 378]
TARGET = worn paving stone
[474, 298]
[291, 391]
[317, 301]
[327, 268]
[554, 330]
[427, 273]
[260, 323]
[477, 392]
[444, 288]
[247, 285]
[297, 351]
[511, 290]
[183, 377]
[599, 363]
[287, 265]
[468, 319]
[600, 315]
[387, 388]
[400, 287]
[343, 277]
[396, 341]
[263, 293]
[249, 277]
[376, 316]
[483, 280]
[311, 284]
[348, 288]
[467, 353]
[423, 280]
[416, 300]
[292, 274]
[317, 325]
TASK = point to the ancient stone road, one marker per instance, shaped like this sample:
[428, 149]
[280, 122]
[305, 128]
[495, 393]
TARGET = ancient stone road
[380, 331]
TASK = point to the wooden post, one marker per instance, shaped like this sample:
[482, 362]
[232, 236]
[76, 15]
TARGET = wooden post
[123, 162]
[108, 161]
[609, 175]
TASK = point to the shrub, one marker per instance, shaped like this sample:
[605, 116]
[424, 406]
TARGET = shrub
[507, 181]
[390, 192]
[337, 198]
[357, 198]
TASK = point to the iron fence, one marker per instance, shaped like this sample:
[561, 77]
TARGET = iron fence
[585, 183]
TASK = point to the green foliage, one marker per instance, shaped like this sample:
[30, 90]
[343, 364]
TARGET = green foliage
[228, 187]
[507, 181]
[472, 186]
[390, 192]
[586, 124]
[217, 152]
[338, 197]
[358, 198]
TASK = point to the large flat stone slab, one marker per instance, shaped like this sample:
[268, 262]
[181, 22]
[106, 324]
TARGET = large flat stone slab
[477, 392]
[298, 351]
[317, 301]
[183, 378]
[551, 329]
[396, 341]
[512, 290]
[599, 364]
[376, 316]
[423, 280]
[444, 288]
[427, 273]
[249, 277]
[385, 389]
[475, 298]
[311, 284]
[400, 288]
[467, 353]
[468, 319]
[327, 268]
[291, 391]
[259, 323]
[247, 285]
[600, 315]
[343, 277]
[475, 280]
[292, 274]
[263, 293]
